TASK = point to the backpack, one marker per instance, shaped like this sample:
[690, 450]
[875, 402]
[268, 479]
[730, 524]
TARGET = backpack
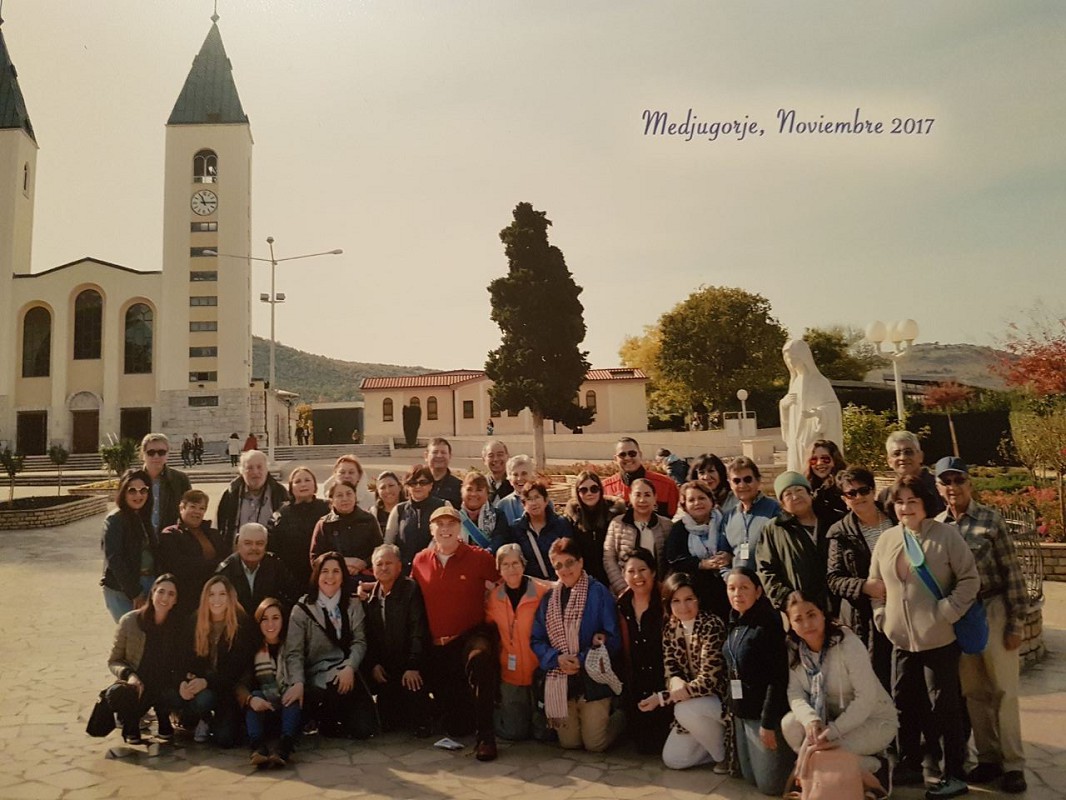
[832, 774]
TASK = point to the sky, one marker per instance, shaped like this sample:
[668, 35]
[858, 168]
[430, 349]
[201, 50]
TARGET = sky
[406, 133]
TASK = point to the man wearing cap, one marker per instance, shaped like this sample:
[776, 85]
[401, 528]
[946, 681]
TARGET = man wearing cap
[793, 550]
[460, 667]
[630, 463]
[990, 679]
[904, 455]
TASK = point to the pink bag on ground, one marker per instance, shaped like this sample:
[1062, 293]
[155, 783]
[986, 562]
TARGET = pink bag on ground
[833, 774]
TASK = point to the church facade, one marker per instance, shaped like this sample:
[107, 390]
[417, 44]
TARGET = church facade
[93, 350]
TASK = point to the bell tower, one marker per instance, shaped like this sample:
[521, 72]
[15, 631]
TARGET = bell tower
[205, 313]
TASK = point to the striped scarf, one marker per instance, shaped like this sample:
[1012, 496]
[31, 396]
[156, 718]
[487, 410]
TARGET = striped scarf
[563, 628]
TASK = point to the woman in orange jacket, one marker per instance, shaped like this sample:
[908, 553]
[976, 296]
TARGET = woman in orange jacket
[511, 606]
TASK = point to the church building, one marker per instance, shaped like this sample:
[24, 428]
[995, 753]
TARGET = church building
[92, 349]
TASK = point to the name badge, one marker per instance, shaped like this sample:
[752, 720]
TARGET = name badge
[745, 552]
[736, 689]
[512, 662]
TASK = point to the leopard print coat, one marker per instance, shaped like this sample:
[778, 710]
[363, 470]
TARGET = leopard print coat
[701, 666]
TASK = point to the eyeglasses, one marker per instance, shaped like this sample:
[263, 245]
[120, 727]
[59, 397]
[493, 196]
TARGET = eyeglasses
[948, 480]
[420, 482]
[743, 479]
[564, 564]
[137, 490]
[820, 460]
[904, 453]
[627, 454]
[588, 489]
[155, 452]
[862, 491]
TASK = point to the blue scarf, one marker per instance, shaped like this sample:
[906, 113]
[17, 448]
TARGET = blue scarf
[812, 665]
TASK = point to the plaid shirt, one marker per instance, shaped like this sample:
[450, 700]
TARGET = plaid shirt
[986, 533]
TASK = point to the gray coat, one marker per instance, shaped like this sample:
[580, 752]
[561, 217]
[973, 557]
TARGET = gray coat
[311, 656]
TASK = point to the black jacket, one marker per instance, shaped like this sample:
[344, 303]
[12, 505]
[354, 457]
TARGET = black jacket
[396, 642]
[413, 535]
[755, 653]
[231, 662]
[353, 535]
[449, 488]
[272, 579]
[173, 484]
[229, 505]
[180, 552]
[123, 542]
[290, 536]
[848, 568]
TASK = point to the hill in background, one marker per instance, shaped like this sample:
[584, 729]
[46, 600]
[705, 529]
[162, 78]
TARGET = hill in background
[969, 364]
[318, 379]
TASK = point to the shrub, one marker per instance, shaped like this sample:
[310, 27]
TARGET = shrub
[1043, 501]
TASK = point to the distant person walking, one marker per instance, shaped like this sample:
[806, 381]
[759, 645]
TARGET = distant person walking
[197, 448]
[233, 449]
[251, 443]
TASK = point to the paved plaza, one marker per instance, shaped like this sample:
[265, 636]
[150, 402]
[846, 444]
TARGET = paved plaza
[56, 637]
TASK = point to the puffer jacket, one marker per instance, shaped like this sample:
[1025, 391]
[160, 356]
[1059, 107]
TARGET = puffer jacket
[516, 629]
[623, 537]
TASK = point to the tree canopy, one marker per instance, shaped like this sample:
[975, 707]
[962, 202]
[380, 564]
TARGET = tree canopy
[539, 363]
[842, 354]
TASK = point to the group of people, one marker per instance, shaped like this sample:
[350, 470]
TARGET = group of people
[192, 450]
[477, 606]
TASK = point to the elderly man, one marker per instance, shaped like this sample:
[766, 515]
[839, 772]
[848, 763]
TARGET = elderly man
[255, 573]
[438, 458]
[990, 679]
[460, 666]
[630, 463]
[754, 511]
[168, 485]
[396, 636]
[905, 457]
[253, 496]
[495, 456]
[519, 473]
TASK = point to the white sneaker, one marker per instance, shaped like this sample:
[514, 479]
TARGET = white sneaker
[202, 733]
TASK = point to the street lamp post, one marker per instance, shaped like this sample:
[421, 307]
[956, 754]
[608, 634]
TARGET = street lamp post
[273, 299]
[742, 396]
[902, 335]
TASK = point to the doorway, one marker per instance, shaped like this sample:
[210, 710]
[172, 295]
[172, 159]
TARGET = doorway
[86, 437]
[31, 438]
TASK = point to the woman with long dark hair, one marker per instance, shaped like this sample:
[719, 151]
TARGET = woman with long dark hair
[408, 525]
[144, 660]
[129, 551]
[293, 525]
[824, 463]
[710, 469]
[590, 512]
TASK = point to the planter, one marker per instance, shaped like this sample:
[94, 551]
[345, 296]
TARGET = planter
[54, 515]
[89, 491]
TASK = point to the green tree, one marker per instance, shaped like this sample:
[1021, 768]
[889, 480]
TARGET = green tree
[538, 364]
[842, 354]
[666, 397]
[719, 340]
[58, 455]
[119, 457]
[12, 464]
[865, 432]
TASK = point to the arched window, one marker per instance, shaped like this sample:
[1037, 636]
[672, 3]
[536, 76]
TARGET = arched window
[36, 343]
[386, 410]
[138, 339]
[415, 402]
[88, 324]
[431, 408]
[590, 400]
[205, 167]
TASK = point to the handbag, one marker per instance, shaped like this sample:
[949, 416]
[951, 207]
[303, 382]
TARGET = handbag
[971, 629]
[102, 718]
[826, 774]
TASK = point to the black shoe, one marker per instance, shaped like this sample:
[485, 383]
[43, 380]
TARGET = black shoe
[486, 750]
[907, 775]
[985, 772]
[1013, 782]
[134, 739]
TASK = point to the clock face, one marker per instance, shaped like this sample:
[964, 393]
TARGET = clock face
[204, 202]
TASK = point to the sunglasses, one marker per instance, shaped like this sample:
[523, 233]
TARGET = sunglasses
[743, 479]
[564, 564]
[627, 454]
[155, 452]
[820, 460]
[948, 480]
[137, 490]
[420, 482]
[588, 490]
[862, 491]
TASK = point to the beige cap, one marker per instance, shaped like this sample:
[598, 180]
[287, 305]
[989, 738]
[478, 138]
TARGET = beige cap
[445, 511]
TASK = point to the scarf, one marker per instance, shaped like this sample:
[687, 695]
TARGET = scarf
[480, 530]
[563, 629]
[812, 665]
[700, 544]
[331, 605]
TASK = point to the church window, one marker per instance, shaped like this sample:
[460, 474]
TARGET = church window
[195, 301]
[203, 227]
[202, 377]
[416, 403]
[36, 343]
[386, 410]
[590, 400]
[431, 408]
[207, 401]
[468, 409]
[88, 324]
[197, 327]
[205, 167]
[138, 339]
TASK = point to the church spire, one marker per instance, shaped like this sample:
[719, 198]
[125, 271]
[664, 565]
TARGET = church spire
[13, 112]
[209, 96]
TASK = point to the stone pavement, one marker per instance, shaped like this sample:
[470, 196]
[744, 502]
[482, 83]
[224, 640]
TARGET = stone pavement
[56, 635]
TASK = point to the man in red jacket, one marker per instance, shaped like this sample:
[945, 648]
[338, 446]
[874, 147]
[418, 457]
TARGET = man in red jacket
[630, 467]
[460, 669]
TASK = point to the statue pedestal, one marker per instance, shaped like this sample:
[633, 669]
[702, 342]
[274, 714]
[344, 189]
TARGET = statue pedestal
[761, 451]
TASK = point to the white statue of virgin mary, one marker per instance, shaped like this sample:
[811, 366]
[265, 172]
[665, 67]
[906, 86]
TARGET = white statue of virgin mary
[810, 411]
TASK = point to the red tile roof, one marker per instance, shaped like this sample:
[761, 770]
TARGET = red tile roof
[457, 376]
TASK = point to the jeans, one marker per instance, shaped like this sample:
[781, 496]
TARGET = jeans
[257, 721]
[118, 603]
[766, 769]
[518, 716]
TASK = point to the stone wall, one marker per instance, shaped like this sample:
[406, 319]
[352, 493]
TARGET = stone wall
[54, 516]
[213, 423]
[1054, 558]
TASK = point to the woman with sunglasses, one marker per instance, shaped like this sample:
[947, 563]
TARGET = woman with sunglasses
[408, 525]
[851, 546]
[129, 562]
[823, 465]
[590, 511]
